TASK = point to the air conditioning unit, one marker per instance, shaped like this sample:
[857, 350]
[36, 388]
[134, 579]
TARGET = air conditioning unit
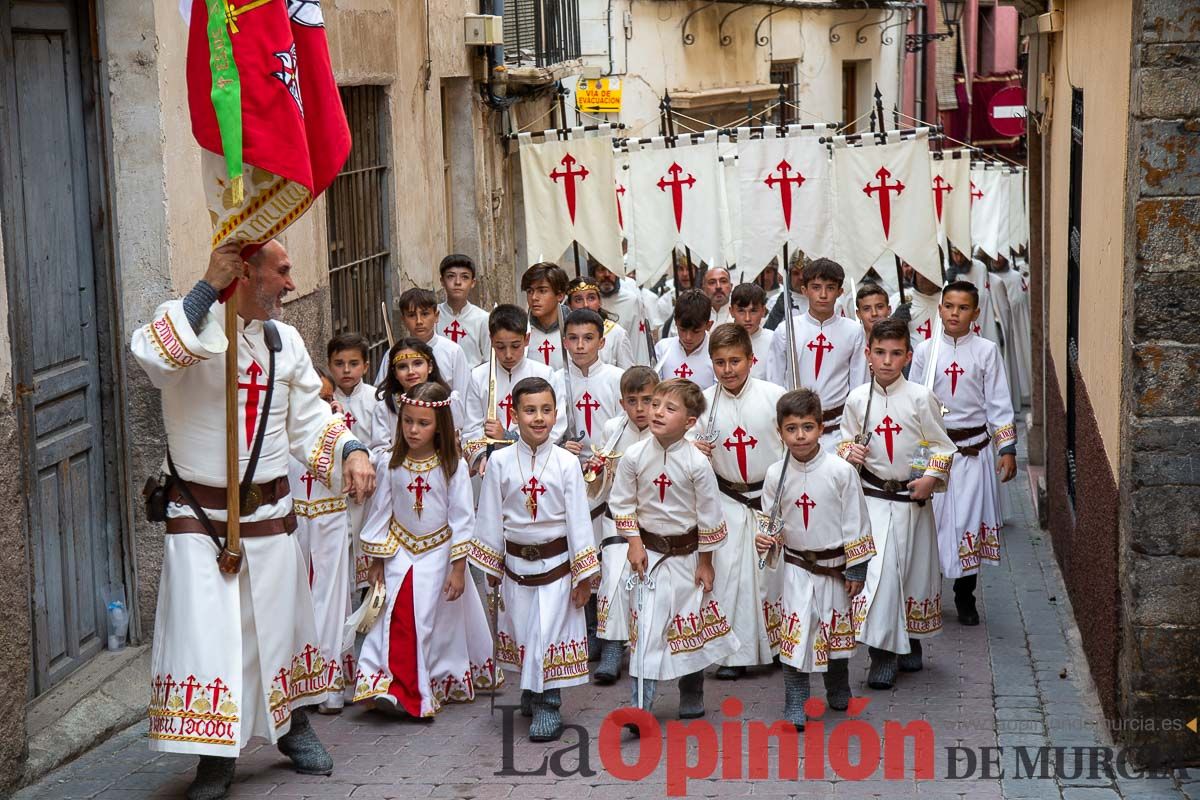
[483, 30]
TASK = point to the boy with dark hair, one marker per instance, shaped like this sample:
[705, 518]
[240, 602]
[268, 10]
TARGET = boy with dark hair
[893, 432]
[829, 348]
[686, 354]
[970, 382]
[826, 542]
[872, 304]
[545, 288]
[508, 328]
[537, 546]
[612, 599]
[419, 311]
[747, 307]
[664, 501]
[738, 435]
[585, 293]
[460, 320]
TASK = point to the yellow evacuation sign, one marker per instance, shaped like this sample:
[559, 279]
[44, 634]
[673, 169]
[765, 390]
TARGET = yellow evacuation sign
[598, 95]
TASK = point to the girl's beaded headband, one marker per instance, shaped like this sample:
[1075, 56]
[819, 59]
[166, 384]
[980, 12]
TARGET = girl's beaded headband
[424, 403]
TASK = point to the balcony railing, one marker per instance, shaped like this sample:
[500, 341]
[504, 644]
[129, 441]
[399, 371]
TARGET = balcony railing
[541, 32]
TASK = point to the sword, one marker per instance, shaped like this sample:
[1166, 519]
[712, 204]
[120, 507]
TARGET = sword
[864, 438]
[495, 603]
[643, 583]
[775, 521]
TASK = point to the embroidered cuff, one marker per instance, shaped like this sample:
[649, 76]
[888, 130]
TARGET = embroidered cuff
[320, 459]
[1004, 436]
[859, 550]
[197, 303]
[584, 564]
[939, 465]
[844, 447]
[626, 522]
[486, 558]
[858, 572]
[169, 344]
[460, 550]
[713, 536]
[311, 509]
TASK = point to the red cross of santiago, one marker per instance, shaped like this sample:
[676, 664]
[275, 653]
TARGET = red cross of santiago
[307, 479]
[676, 187]
[976, 193]
[568, 178]
[507, 405]
[784, 182]
[954, 370]
[887, 428]
[418, 486]
[546, 348]
[805, 504]
[350, 418]
[531, 490]
[662, 482]
[587, 405]
[820, 346]
[940, 187]
[926, 328]
[620, 215]
[883, 194]
[253, 388]
[682, 371]
[454, 331]
[741, 442]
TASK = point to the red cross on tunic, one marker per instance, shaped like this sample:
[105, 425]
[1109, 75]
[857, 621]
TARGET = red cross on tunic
[940, 187]
[925, 328]
[741, 442]
[189, 689]
[975, 329]
[253, 388]
[682, 371]
[569, 177]
[282, 677]
[820, 346]
[350, 419]
[546, 348]
[308, 653]
[976, 194]
[805, 504]
[418, 486]
[883, 194]
[531, 490]
[620, 214]
[308, 479]
[954, 370]
[676, 187]
[888, 429]
[216, 688]
[587, 405]
[507, 405]
[784, 182]
[969, 540]
[662, 482]
[454, 331]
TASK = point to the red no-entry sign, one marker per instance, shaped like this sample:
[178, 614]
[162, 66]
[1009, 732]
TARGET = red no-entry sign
[1006, 111]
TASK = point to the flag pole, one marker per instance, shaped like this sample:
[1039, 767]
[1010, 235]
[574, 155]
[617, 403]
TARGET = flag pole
[230, 559]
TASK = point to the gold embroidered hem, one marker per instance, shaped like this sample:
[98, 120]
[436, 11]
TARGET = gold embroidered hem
[923, 616]
[169, 347]
[860, 549]
[690, 633]
[508, 651]
[460, 550]
[184, 711]
[564, 661]
[713, 536]
[773, 617]
[311, 509]
[307, 678]
[486, 558]
[398, 535]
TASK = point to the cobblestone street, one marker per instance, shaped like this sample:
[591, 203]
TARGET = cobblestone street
[1016, 680]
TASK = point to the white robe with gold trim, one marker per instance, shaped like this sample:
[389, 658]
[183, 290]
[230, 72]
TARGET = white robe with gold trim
[359, 412]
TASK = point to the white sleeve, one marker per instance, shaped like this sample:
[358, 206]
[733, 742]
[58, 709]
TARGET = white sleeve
[461, 376]
[585, 561]
[315, 433]
[777, 356]
[487, 547]
[460, 512]
[166, 345]
[377, 519]
[625, 350]
[564, 406]
[916, 373]
[860, 371]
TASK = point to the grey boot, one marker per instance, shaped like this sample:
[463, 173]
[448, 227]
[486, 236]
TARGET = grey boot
[691, 695]
[911, 661]
[882, 674]
[609, 670]
[526, 703]
[593, 641]
[837, 684]
[547, 720]
[647, 701]
[214, 775]
[729, 673]
[302, 746]
[795, 691]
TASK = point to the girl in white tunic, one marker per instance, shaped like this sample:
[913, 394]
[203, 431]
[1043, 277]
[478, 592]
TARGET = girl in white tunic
[969, 380]
[431, 645]
[826, 543]
[413, 362]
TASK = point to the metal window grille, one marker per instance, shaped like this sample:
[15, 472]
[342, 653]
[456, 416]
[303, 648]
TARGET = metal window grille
[1074, 238]
[784, 72]
[541, 32]
[357, 215]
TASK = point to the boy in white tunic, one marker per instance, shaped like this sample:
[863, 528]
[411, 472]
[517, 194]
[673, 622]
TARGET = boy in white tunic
[419, 310]
[747, 307]
[347, 357]
[545, 288]
[508, 328]
[903, 456]
[872, 305]
[826, 543]
[829, 348]
[612, 598]
[664, 500]
[685, 356]
[969, 381]
[624, 301]
[460, 320]
[584, 293]
[535, 542]
[738, 435]
[921, 307]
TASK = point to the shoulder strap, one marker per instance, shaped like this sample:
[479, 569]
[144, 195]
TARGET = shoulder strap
[274, 345]
[190, 498]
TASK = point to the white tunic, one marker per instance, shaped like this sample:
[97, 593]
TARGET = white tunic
[1017, 289]
[359, 409]
[420, 523]
[823, 508]
[832, 358]
[695, 366]
[468, 329]
[924, 310]
[617, 349]
[628, 305]
[969, 381]
[985, 325]
[669, 492]
[477, 398]
[219, 679]
[761, 340]
[545, 346]
[747, 444]
[902, 597]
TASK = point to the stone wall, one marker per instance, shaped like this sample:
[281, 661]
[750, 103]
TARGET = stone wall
[1161, 488]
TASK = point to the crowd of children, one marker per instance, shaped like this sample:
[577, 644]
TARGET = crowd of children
[724, 497]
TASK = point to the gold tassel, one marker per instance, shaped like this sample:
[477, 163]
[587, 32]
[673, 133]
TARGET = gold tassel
[238, 190]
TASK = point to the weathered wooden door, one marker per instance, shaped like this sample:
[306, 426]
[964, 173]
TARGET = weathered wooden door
[50, 219]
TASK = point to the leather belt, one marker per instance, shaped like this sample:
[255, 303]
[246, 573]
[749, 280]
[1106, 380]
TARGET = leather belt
[213, 497]
[541, 578]
[536, 552]
[797, 557]
[599, 511]
[966, 434]
[681, 545]
[608, 540]
[247, 530]
[831, 417]
[734, 491]
[896, 491]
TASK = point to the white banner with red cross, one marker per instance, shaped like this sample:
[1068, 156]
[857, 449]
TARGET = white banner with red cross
[883, 196]
[785, 193]
[951, 187]
[989, 209]
[731, 204]
[624, 197]
[569, 195]
[676, 200]
[1018, 221]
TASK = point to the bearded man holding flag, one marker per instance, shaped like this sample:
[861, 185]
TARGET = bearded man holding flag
[235, 647]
